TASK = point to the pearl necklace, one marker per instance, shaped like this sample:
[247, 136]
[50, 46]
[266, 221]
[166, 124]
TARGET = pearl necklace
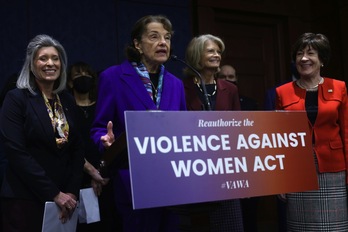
[313, 88]
[213, 93]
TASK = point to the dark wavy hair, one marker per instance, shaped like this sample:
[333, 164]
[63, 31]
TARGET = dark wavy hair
[139, 29]
[318, 42]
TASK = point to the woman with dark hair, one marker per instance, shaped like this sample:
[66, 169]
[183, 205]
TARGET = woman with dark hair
[139, 83]
[82, 82]
[325, 101]
[41, 140]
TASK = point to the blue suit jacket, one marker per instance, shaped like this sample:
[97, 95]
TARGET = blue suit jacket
[121, 89]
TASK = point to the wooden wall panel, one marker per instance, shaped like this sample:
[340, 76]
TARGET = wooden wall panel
[259, 35]
[343, 14]
[253, 47]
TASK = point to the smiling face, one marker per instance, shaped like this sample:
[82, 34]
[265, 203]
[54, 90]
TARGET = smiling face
[211, 55]
[46, 66]
[308, 63]
[154, 46]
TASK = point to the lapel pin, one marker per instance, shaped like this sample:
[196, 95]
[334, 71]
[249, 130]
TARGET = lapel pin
[330, 90]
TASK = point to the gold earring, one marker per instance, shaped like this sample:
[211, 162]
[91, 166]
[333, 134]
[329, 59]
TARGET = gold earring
[138, 49]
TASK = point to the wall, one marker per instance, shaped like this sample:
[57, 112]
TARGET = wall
[97, 31]
[259, 35]
[177, 11]
[343, 19]
[91, 31]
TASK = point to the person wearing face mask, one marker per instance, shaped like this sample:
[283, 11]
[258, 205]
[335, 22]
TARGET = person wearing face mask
[325, 101]
[140, 83]
[82, 81]
[82, 84]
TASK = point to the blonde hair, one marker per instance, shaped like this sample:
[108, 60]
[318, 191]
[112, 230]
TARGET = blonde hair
[195, 51]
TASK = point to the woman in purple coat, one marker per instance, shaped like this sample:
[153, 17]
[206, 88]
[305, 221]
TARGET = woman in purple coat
[139, 83]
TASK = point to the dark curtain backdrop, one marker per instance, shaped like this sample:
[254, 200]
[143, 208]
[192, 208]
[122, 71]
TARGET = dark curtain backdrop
[92, 31]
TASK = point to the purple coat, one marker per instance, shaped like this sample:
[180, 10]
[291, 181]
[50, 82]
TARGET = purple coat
[121, 89]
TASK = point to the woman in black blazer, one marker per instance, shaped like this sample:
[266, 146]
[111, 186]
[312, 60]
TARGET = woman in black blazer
[41, 140]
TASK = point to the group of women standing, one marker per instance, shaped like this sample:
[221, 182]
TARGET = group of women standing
[40, 130]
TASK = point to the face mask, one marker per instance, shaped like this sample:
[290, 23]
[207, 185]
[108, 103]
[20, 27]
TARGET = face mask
[82, 84]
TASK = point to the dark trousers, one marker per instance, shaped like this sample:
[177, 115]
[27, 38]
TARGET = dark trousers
[141, 220]
[110, 220]
[249, 208]
[21, 215]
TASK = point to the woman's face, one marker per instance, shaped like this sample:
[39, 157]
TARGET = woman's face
[47, 65]
[81, 81]
[211, 55]
[308, 63]
[154, 46]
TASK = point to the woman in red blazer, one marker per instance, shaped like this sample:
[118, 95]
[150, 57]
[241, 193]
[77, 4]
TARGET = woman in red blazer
[325, 101]
[204, 55]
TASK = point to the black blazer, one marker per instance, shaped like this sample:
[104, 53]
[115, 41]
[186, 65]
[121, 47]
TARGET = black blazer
[37, 169]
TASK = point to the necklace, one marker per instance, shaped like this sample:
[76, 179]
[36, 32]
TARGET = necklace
[84, 110]
[153, 88]
[313, 88]
[213, 93]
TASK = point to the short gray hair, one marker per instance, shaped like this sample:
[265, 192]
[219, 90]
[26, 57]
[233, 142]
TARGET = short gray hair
[26, 79]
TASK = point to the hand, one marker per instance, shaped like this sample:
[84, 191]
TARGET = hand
[97, 181]
[109, 138]
[64, 215]
[67, 203]
[98, 185]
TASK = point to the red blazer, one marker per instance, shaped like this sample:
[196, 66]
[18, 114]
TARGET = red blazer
[331, 125]
[227, 97]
